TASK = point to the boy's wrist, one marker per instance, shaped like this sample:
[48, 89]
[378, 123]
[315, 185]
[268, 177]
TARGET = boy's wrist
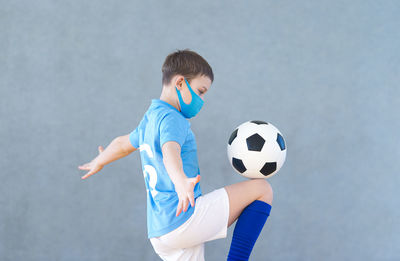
[179, 179]
[98, 161]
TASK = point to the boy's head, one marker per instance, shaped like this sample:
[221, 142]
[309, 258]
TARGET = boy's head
[186, 78]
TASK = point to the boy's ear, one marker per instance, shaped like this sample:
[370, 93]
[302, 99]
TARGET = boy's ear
[179, 82]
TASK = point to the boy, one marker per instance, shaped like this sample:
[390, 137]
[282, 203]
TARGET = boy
[179, 218]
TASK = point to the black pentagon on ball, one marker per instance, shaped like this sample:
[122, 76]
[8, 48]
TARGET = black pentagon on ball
[268, 168]
[255, 142]
[238, 165]
[233, 136]
[259, 122]
[280, 141]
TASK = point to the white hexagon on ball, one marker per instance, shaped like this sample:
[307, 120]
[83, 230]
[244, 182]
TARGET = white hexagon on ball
[256, 149]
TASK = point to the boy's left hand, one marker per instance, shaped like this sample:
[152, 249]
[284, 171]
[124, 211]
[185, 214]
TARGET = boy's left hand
[185, 191]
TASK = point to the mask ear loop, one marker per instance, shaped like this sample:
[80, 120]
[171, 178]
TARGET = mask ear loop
[190, 90]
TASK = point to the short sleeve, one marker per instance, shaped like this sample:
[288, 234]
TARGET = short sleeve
[173, 128]
[134, 137]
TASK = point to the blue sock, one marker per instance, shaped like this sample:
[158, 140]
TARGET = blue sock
[247, 229]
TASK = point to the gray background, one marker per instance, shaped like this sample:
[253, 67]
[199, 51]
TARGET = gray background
[77, 74]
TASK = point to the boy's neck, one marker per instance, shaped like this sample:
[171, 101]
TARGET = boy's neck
[170, 100]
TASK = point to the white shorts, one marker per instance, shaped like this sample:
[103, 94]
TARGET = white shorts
[208, 222]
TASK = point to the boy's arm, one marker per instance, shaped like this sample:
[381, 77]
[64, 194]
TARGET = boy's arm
[118, 148]
[126, 144]
[184, 186]
[171, 151]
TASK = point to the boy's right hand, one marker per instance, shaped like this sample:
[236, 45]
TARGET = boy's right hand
[185, 191]
[92, 166]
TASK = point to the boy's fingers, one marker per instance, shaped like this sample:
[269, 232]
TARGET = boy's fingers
[83, 165]
[196, 180]
[88, 175]
[192, 200]
[185, 205]
[178, 210]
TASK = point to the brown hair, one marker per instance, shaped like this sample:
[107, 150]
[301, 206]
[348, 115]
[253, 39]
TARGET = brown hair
[187, 63]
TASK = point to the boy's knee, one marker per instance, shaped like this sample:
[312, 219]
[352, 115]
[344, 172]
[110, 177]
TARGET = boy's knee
[265, 190]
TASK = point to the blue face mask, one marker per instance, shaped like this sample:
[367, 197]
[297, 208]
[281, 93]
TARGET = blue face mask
[190, 110]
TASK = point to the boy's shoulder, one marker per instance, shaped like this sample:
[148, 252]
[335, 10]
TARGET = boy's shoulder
[166, 113]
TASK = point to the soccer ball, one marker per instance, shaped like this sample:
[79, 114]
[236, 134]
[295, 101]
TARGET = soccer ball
[256, 149]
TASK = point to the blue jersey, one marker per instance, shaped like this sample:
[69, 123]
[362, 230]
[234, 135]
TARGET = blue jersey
[162, 122]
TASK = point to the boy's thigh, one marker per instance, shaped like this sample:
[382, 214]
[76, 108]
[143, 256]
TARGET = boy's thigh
[243, 193]
[208, 222]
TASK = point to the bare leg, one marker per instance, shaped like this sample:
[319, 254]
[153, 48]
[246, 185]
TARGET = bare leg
[243, 193]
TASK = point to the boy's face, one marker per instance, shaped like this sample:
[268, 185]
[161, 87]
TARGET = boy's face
[200, 85]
